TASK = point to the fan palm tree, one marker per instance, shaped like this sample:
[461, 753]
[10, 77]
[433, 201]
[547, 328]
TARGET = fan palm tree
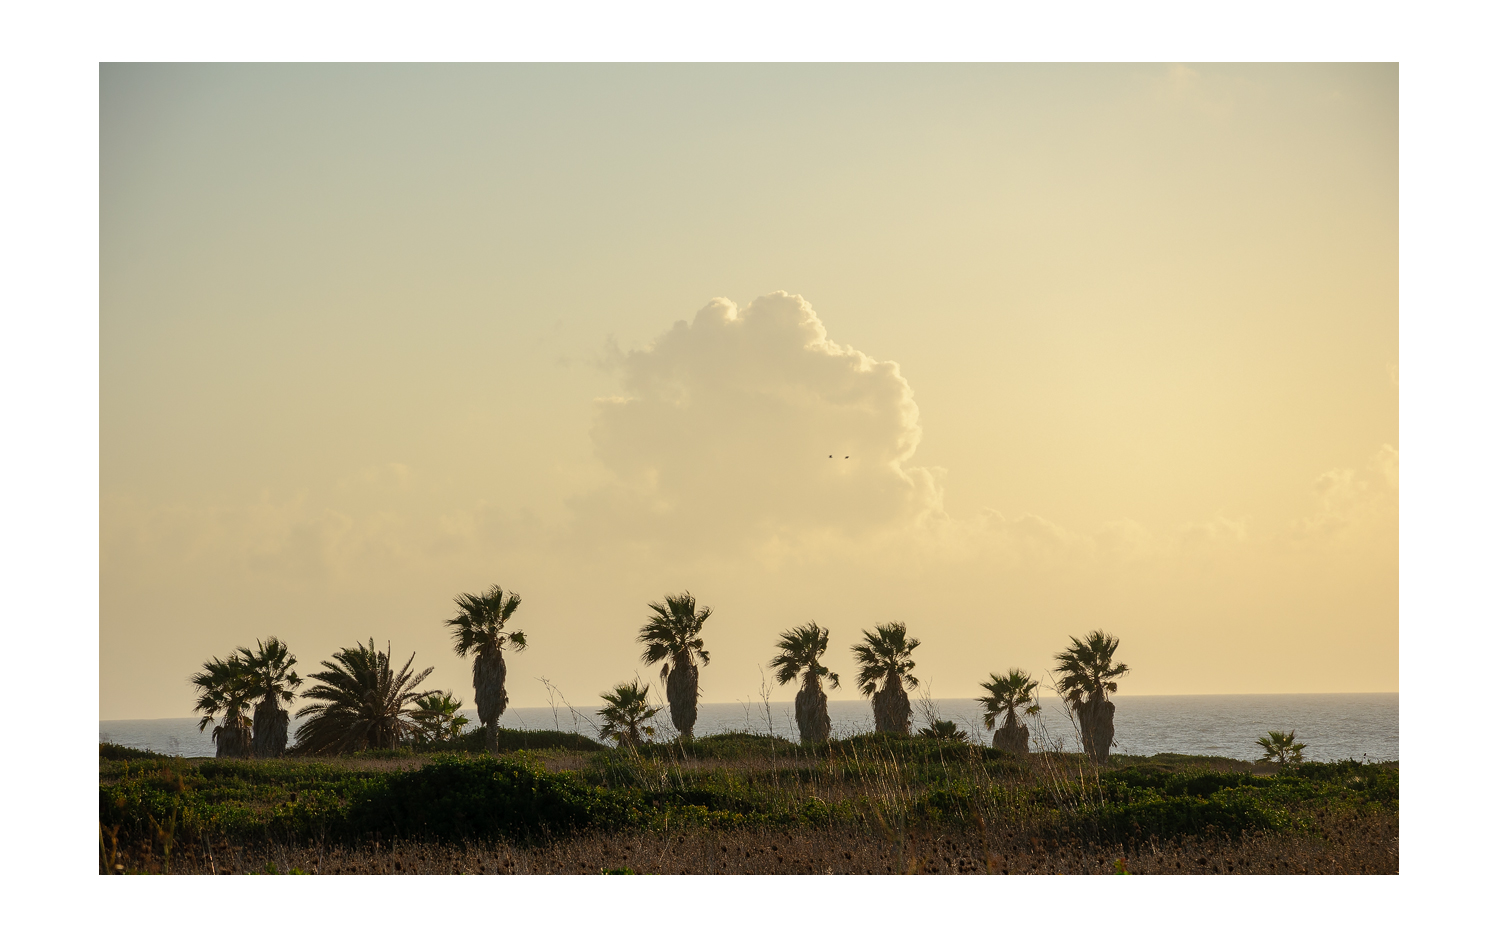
[800, 655]
[1087, 671]
[272, 682]
[437, 715]
[362, 703]
[884, 654]
[627, 710]
[1006, 695]
[1282, 749]
[479, 627]
[672, 635]
[223, 693]
[943, 729]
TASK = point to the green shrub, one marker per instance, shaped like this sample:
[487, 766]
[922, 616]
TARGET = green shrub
[515, 740]
[1229, 812]
[113, 752]
[456, 799]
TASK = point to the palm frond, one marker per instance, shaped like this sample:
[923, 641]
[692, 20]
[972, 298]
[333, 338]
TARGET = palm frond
[362, 703]
[1086, 668]
[436, 715]
[224, 690]
[672, 631]
[479, 626]
[627, 710]
[267, 671]
[801, 650]
[884, 655]
[1006, 695]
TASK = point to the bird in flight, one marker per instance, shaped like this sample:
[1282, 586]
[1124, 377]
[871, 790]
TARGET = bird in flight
[831, 457]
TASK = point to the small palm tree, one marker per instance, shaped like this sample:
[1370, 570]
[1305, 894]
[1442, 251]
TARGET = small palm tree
[362, 704]
[224, 693]
[672, 634]
[272, 682]
[437, 715]
[1087, 671]
[943, 729]
[1281, 748]
[627, 710]
[1006, 696]
[884, 654]
[801, 650]
[479, 628]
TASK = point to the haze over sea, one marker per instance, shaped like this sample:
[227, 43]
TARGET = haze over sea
[1334, 726]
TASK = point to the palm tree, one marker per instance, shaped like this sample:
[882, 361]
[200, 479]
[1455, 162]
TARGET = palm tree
[272, 682]
[800, 652]
[223, 691]
[1087, 671]
[362, 703]
[437, 714]
[1282, 749]
[628, 707]
[943, 729]
[671, 635]
[480, 628]
[1006, 695]
[884, 654]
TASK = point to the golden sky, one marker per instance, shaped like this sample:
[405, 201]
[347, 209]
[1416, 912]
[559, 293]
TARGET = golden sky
[1105, 347]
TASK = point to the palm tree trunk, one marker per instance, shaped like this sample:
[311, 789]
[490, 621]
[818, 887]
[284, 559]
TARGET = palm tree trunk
[681, 694]
[232, 740]
[1012, 737]
[892, 708]
[811, 711]
[489, 693]
[270, 728]
[1096, 717]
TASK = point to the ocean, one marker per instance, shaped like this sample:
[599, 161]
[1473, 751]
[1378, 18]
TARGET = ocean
[1334, 726]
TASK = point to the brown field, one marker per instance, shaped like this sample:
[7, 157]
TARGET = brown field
[1359, 845]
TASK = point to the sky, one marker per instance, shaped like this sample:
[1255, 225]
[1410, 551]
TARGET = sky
[1091, 347]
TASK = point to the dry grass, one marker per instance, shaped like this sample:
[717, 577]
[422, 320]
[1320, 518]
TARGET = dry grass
[1363, 845]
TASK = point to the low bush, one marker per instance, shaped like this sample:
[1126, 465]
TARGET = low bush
[112, 752]
[1229, 811]
[514, 740]
[455, 799]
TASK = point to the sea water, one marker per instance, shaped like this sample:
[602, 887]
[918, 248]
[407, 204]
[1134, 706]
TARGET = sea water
[1334, 726]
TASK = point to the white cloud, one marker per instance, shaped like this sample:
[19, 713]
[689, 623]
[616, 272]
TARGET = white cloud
[748, 425]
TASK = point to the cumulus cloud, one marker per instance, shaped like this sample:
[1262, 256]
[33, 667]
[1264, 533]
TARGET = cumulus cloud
[747, 425]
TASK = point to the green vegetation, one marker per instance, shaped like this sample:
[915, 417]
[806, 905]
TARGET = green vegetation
[1282, 749]
[625, 715]
[509, 740]
[438, 718]
[943, 729]
[873, 787]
